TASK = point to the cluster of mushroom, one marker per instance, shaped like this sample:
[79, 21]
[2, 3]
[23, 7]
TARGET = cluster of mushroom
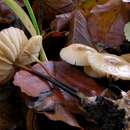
[15, 48]
[96, 64]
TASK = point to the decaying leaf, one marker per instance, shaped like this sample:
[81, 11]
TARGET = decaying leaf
[6, 16]
[56, 104]
[61, 21]
[79, 29]
[106, 23]
[53, 8]
[61, 71]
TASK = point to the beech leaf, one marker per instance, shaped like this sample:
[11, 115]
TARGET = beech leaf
[78, 30]
[56, 104]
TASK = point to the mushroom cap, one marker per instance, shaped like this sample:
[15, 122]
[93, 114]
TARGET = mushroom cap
[13, 47]
[90, 72]
[109, 64]
[76, 54]
[30, 51]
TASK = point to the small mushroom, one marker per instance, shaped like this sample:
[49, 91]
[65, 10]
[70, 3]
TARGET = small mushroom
[14, 49]
[109, 65]
[76, 54]
[90, 72]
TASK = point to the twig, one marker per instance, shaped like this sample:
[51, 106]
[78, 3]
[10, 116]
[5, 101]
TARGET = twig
[57, 83]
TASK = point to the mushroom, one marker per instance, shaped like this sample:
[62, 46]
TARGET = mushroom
[90, 72]
[109, 65]
[75, 54]
[14, 49]
[126, 57]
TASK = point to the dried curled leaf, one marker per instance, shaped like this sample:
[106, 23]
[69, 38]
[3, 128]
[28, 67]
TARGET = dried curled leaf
[14, 48]
[106, 22]
[55, 104]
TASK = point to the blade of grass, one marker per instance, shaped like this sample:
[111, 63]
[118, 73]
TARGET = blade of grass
[32, 16]
[22, 15]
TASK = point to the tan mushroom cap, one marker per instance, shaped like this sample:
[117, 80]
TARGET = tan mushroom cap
[109, 64]
[90, 72]
[14, 46]
[76, 54]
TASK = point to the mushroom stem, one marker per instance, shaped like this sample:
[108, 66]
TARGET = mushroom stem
[39, 62]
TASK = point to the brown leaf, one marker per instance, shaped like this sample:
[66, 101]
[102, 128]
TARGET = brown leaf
[78, 29]
[63, 72]
[30, 79]
[61, 21]
[56, 104]
[59, 108]
[53, 8]
[106, 24]
[6, 15]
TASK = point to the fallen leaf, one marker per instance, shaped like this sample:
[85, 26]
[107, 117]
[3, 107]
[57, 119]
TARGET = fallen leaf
[61, 21]
[7, 17]
[56, 104]
[106, 24]
[79, 29]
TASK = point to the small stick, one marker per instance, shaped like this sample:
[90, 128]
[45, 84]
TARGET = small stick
[57, 83]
